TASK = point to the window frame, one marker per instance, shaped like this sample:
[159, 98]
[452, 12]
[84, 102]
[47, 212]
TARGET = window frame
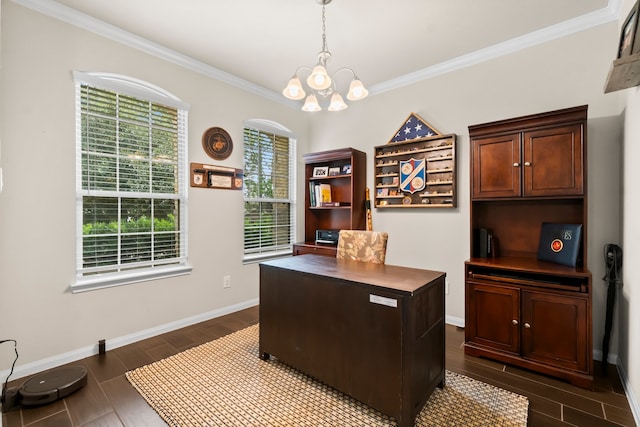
[147, 92]
[269, 126]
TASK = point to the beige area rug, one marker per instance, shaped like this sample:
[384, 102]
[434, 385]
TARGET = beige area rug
[225, 383]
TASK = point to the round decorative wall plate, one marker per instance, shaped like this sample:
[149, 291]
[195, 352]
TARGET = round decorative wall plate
[217, 143]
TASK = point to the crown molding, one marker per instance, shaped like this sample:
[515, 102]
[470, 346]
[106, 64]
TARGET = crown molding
[544, 35]
[71, 16]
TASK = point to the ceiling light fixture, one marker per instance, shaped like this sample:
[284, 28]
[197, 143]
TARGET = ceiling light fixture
[319, 83]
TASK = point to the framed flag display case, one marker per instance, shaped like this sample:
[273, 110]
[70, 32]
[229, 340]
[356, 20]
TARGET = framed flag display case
[417, 168]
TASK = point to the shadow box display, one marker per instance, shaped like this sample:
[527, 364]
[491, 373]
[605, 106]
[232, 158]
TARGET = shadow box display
[418, 173]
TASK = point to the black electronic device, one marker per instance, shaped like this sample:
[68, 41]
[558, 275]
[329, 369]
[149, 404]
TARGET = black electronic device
[46, 387]
[328, 237]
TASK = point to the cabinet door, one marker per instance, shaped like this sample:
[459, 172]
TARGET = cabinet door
[496, 166]
[553, 162]
[555, 331]
[493, 316]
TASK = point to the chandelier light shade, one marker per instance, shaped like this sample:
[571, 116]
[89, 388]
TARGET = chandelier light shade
[294, 89]
[357, 91]
[311, 104]
[319, 83]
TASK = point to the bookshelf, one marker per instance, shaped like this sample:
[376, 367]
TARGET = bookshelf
[343, 173]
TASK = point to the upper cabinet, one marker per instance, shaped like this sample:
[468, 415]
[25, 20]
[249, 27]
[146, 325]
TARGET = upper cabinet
[533, 156]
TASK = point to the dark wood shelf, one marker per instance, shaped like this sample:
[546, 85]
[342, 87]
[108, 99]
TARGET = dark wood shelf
[347, 189]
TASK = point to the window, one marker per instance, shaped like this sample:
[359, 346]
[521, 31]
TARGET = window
[130, 182]
[269, 190]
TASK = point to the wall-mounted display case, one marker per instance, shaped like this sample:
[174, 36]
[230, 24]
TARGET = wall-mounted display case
[420, 173]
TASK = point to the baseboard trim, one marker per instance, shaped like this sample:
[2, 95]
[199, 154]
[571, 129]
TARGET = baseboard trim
[628, 390]
[455, 321]
[21, 371]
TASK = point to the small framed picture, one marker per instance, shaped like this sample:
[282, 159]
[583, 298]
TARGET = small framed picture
[334, 171]
[346, 169]
[320, 171]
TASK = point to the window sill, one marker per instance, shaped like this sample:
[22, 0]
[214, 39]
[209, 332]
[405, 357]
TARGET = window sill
[101, 281]
[253, 258]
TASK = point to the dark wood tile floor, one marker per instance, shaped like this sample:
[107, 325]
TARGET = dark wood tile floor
[109, 400]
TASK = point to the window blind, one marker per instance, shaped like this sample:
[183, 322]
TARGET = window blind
[269, 193]
[131, 186]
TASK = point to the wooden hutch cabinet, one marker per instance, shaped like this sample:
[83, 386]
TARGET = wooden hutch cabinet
[519, 310]
[346, 177]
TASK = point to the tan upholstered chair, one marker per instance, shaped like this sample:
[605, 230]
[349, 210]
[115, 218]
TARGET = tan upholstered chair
[361, 245]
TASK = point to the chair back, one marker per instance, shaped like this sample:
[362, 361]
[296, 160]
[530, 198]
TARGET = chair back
[362, 245]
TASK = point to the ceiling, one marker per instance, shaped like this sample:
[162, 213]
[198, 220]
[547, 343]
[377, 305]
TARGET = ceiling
[263, 42]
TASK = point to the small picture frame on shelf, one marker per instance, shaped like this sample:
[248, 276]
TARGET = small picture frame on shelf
[334, 171]
[320, 171]
[382, 192]
[198, 178]
[346, 169]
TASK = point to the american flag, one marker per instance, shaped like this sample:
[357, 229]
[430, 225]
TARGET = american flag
[413, 128]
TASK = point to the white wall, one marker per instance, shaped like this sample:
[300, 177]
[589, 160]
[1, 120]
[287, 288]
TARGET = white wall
[37, 205]
[629, 300]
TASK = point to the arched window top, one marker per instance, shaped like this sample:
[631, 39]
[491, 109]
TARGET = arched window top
[130, 86]
[269, 126]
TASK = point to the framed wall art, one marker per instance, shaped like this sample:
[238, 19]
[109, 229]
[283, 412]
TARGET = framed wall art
[628, 43]
[625, 69]
[217, 143]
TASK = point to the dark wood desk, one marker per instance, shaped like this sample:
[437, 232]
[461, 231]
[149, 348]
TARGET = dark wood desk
[375, 332]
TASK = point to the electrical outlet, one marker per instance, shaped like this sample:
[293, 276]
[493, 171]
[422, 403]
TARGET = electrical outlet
[226, 281]
[446, 287]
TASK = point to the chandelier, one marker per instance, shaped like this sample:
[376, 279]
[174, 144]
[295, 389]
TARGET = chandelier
[319, 83]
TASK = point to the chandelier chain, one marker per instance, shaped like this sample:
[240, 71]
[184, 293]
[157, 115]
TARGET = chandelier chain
[324, 29]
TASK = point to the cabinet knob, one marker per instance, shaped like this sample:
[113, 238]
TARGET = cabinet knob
[514, 322]
[516, 164]
[527, 325]
[527, 163]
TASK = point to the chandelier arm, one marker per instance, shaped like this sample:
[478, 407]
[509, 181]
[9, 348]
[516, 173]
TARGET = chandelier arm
[353, 73]
[302, 68]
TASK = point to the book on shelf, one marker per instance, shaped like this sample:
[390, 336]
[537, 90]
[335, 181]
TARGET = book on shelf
[325, 193]
[320, 195]
[329, 204]
[312, 195]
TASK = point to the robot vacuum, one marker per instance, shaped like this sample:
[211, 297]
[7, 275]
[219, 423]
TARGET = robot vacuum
[46, 387]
